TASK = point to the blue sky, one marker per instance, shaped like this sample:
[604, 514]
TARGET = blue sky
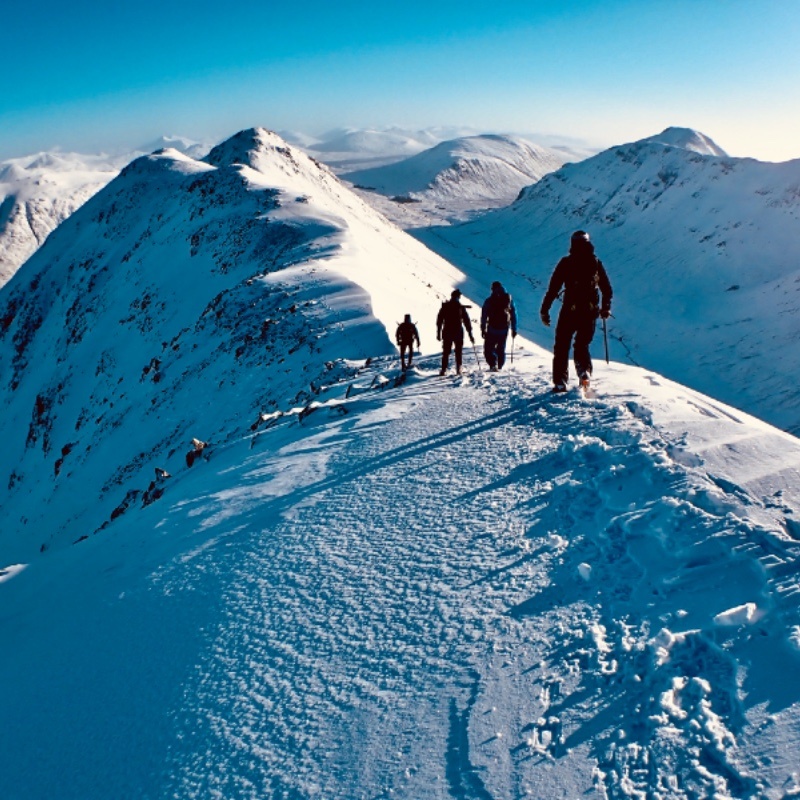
[99, 76]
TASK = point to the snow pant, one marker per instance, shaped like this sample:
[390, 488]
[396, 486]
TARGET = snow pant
[494, 347]
[403, 348]
[581, 327]
[452, 343]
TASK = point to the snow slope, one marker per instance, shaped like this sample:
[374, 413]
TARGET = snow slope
[702, 252]
[457, 178]
[181, 302]
[365, 585]
[447, 588]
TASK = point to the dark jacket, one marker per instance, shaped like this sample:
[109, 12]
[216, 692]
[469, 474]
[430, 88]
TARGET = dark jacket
[583, 278]
[498, 313]
[452, 315]
[407, 333]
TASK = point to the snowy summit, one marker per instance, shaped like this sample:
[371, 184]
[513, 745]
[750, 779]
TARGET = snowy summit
[244, 555]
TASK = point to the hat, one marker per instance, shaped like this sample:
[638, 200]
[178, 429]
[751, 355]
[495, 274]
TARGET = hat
[408, 318]
[497, 286]
[580, 236]
[455, 293]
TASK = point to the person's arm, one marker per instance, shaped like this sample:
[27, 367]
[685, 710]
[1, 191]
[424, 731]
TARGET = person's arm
[484, 316]
[439, 321]
[554, 287]
[513, 311]
[467, 323]
[604, 284]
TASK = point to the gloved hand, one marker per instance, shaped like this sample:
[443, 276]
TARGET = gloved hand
[545, 315]
[438, 337]
[483, 333]
[605, 313]
[513, 334]
[471, 339]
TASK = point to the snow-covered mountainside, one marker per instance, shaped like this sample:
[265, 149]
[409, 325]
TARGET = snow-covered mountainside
[457, 178]
[187, 300]
[441, 588]
[702, 251]
[37, 193]
[40, 191]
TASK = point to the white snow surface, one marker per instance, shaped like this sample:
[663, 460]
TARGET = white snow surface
[367, 584]
[461, 177]
[702, 252]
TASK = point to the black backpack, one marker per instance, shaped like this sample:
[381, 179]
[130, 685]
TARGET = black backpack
[499, 312]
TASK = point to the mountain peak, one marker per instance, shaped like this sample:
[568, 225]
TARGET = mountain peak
[688, 139]
[245, 147]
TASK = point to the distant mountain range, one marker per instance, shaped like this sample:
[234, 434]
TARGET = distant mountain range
[40, 191]
[461, 177]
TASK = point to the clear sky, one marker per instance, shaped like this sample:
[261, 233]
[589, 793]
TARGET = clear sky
[94, 76]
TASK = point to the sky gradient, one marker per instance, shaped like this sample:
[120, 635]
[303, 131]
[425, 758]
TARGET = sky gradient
[93, 77]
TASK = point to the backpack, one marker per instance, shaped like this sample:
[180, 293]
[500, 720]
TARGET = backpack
[581, 283]
[499, 311]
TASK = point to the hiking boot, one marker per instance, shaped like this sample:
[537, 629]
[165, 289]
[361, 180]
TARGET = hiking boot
[559, 388]
[585, 382]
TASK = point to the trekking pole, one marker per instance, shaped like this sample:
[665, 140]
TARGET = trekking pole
[477, 360]
[605, 337]
[513, 339]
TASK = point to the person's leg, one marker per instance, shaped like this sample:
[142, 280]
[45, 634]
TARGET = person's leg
[447, 345]
[459, 348]
[500, 349]
[564, 332]
[488, 350]
[584, 333]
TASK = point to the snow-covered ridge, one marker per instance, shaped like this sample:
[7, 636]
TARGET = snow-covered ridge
[182, 301]
[701, 251]
[463, 176]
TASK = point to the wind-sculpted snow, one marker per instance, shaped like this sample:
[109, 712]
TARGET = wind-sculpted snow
[445, 588]
[179, 303]
[701, 251]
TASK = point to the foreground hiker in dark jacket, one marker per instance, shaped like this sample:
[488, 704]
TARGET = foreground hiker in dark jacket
[497, 316]
[581, 274]
[450, 324]
[405, 337]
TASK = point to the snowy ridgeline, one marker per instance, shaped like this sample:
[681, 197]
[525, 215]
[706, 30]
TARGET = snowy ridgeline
[701, 250]
[182, 301]
[430, 588]
[239, 561]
